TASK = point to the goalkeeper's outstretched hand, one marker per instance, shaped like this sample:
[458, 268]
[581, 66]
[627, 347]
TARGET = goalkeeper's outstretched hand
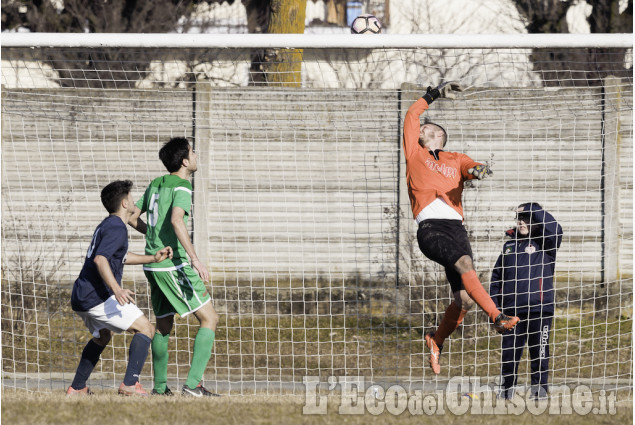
[480, 171]
[447, 89]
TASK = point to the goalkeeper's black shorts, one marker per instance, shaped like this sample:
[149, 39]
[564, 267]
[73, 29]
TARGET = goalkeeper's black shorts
[444, 242]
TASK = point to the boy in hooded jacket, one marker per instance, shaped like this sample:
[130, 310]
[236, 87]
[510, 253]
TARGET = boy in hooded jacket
[522, 286]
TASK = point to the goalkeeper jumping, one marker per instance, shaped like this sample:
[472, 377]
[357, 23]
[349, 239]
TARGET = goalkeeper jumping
[435, 185]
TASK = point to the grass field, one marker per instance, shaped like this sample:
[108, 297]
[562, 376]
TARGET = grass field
[276, 348]
[19, 407]
[583, 346]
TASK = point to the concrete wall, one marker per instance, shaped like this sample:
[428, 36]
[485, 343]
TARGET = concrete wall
[302, 188]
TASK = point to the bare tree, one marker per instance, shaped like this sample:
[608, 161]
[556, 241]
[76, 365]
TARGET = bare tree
[276, 66]
[484, 67]
[258, 12]
[285, 66]
[106, 68]
[577, 67]
[376, 69]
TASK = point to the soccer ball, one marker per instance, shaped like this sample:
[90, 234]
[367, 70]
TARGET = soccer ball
[366, 24]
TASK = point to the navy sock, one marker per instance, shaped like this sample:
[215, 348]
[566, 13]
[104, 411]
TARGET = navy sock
[138, 353]
[90, 357]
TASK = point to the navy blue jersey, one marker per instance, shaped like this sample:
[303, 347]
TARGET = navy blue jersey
[522, 279]
[110, 240]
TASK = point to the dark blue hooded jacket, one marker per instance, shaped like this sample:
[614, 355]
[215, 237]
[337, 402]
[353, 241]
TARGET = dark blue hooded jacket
[522, 280]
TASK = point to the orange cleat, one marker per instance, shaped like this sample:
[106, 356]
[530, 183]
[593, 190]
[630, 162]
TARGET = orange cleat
[83, 392]
[135, 389]
[505, 323]
[435, 353]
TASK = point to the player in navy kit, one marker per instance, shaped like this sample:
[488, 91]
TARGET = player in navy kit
[99, 299]
[522, 285]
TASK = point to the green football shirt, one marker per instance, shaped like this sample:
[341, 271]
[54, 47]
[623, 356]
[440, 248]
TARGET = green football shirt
[157, 202]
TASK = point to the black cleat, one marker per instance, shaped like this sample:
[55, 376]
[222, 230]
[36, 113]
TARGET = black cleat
[166, 393]
[199, 391]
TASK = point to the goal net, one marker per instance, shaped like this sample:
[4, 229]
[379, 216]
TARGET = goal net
[301, 211]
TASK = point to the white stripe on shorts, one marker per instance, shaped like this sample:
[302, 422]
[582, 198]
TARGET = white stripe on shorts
[177, 285]
[197, 308]
[110, 315]
[191, 287]
[165, 269]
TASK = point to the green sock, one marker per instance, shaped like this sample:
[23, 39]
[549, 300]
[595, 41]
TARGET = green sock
[160, 361]
[202, 352]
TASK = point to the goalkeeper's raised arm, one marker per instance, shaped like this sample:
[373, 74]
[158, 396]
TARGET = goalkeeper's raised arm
[416, 134]
[435, 186]
[432, 136]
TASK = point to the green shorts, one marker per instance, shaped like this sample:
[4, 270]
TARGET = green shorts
[179, 291]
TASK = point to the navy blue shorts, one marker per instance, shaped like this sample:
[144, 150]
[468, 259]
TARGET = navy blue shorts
[444, 242]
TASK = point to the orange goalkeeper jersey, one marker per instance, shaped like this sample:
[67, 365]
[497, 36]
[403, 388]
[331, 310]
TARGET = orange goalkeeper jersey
[427, 177]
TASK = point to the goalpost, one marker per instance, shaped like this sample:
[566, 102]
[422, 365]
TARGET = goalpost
[301, 210]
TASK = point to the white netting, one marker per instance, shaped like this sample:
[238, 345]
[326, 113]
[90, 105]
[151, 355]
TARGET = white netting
[300, 205]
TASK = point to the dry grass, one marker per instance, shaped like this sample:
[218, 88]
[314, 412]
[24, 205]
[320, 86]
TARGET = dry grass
[19, 407]
[584, 347]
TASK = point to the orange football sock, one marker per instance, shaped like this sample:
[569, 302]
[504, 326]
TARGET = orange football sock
[476, 291]
[451, 320]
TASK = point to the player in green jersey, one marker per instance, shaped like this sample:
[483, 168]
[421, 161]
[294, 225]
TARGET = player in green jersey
[177, 285]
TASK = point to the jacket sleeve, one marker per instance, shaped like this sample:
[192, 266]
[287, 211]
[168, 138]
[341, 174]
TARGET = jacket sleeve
[496, 282]
[412, 127]
[551, 229]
